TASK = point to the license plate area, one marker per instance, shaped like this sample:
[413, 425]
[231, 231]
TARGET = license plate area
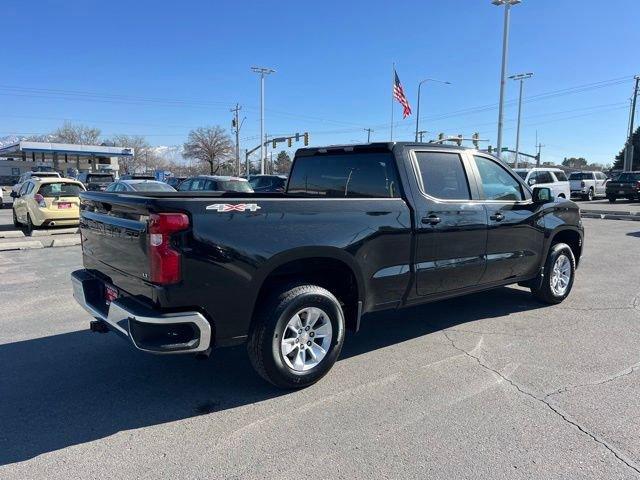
[111, 293]
[64, 205]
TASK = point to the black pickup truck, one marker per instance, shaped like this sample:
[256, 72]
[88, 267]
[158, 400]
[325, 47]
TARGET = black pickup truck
[359, 229]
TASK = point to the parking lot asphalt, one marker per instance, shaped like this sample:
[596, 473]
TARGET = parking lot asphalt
[493, 385]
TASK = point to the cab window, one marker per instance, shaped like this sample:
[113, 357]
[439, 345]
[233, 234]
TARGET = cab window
[497, 182]
[443, 175]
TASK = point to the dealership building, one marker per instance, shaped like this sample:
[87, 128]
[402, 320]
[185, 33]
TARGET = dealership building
[66, 158]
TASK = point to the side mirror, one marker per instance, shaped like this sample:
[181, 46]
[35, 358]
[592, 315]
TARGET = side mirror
[14, 194]
[542, 195]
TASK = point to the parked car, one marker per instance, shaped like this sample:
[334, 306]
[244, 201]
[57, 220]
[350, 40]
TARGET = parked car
[136, 176]
[47, 202]
[175, 181]
[96, 181]
[627, 185]
[210, 183]
[29, 175]
[268, 183]
[139, 186]
[552, 178]
[588, 185]
[360, 229]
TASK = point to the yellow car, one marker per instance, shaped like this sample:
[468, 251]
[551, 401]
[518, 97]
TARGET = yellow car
[47, 202]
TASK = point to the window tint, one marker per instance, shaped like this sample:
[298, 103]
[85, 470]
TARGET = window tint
[544, 177]
[497, 183]
[60, 190]
[23, 189]
[151, 186]
[581, 176]
[629, 177]
[184, 186]
[345, 175]
[522, 174]
[560, 176]
[443, 175]
[98, 178]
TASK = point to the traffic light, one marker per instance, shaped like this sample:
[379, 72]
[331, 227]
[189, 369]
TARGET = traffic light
[441, 136]
[306, 139]
[274, 143]
[297, 137]
[490, 149]
[459, 140]
[289, 142]
[233, 122]
[475, 138]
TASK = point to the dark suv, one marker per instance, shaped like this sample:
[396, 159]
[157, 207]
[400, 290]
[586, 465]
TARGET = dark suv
[96, 181]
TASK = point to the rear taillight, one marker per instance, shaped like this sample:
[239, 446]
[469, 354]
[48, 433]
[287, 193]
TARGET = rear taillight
[164, 260]
[40, 200]
[582, 183]
[638, 185]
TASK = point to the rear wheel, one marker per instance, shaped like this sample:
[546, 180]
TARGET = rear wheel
[297, 336]
[589, 196]
[556, 280]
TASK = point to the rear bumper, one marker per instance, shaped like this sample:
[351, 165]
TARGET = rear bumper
[148, 330]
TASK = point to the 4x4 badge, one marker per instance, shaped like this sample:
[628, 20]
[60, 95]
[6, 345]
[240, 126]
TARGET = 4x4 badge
[229, 207]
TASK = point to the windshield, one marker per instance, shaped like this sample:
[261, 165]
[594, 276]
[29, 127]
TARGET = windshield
[628, 177]
[522, 174]
[152, 187]
[100, 178]
[234, 186]
[60, 190]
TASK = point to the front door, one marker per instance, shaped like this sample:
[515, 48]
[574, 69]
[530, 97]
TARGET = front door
[451, 226]
[515, 232]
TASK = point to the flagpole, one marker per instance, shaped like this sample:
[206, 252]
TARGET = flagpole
[393, 82]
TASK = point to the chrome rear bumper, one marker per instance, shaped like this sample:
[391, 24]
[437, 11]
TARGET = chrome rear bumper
[132, 321]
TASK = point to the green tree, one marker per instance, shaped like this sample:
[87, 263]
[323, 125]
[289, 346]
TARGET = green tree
[635, 164]
[574, 162]
[283, 162]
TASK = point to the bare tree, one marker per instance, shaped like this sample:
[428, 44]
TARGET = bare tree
[209, 145]
[76, 133]
[144, 156]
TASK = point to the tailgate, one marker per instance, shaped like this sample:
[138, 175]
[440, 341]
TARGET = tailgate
[114, 232]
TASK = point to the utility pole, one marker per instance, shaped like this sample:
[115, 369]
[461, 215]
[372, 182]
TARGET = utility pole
[503, 73]
[236, 127]
[521, 77]
[262, 71]
[628, 158]
[368, 130]
[420, 135]
[538, 154]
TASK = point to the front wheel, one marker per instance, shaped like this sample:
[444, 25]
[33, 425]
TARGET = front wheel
[556, 280]
[297, 336]
[16, 223]
[28, 229]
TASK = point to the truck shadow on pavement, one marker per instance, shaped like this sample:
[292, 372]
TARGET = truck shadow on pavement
[78, 387]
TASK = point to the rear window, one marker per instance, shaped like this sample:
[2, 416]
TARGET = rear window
[368, 175]
[60, 190]
[560, 176]
[152, 187]
[231, 186]
[45, 174]
[629, 177]
[581, 176]
[93, 178]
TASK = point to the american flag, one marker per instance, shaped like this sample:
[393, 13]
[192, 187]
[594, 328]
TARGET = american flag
[398, 94]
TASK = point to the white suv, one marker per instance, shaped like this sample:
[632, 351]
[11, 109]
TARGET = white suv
[553, 178]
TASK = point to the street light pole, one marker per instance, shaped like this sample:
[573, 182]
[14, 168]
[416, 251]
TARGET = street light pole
[521, 77]
[418, 102]
[505, 50]
[262, 71]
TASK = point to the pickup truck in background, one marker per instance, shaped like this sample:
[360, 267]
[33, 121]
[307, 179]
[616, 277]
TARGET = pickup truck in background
[626, 185]
[360, 228]
[588, 185]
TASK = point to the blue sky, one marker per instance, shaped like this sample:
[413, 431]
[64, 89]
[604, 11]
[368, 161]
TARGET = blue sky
[160, 68]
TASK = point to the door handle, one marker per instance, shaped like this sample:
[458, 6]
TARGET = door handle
[431, 220]
[498, 217]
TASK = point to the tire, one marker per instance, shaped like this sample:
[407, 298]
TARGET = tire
[611, 199]
[562, 196]
[16, 223]
[29, 228]
[267, 345]
[547, 289]
[589, 196]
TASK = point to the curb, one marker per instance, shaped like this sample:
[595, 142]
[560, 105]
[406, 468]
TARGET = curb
[65, 242]
[47, 233]
[606, 216]
[12, 234]
[28, 245]
[609, 212]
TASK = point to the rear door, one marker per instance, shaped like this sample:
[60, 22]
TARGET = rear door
[451, 226]
[515, 232]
